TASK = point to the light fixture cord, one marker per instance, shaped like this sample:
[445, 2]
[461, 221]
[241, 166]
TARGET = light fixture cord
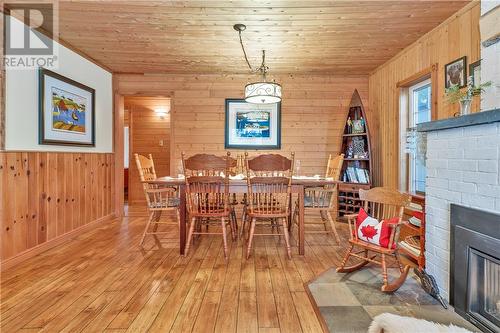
[262, 68]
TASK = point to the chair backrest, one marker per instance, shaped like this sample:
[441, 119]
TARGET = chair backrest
[334, 166]
[146, 167]
[207, 183]
[384, 203]
[269, 180]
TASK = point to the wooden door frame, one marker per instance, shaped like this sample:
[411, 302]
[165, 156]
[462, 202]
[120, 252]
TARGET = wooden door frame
[118, 148]
[402, 86]
[118, 137]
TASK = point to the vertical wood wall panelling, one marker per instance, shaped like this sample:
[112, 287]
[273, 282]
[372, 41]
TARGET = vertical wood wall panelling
[49, 195]
[313, 111]
[456, 37]
[146, 130]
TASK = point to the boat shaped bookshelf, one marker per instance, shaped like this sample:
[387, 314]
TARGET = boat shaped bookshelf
[357, 167]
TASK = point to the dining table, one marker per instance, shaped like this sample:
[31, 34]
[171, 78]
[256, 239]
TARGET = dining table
[239, 185]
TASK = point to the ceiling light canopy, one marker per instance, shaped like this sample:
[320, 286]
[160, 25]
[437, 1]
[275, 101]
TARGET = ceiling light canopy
[263, 91]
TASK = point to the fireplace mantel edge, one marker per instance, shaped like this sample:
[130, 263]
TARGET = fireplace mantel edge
[478, 118]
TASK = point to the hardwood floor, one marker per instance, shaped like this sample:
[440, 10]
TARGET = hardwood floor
[102, 281]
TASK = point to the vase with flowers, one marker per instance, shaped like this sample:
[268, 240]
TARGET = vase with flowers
[464, 96]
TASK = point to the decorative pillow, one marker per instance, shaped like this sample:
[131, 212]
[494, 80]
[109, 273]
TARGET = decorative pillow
[373, 231]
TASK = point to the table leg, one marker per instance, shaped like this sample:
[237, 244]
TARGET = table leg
[182, 218]
[301, 221]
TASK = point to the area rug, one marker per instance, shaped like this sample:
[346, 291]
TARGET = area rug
[349, 302]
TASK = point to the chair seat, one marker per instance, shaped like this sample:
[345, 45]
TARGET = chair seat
[167, 203]
[372, 247]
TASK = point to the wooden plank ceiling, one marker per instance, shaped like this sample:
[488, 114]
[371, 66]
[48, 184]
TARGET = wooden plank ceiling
[334, 37]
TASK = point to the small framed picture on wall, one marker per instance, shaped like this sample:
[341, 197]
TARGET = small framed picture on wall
[252, 126]
[66, 111]
[475, 72]
[455, 73]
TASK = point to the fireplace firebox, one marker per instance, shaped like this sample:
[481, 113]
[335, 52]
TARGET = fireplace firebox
[475, 266]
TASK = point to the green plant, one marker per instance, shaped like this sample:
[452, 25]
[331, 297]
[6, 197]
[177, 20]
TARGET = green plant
[454, 94]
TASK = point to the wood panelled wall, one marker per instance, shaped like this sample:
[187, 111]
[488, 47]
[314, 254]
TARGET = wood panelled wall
[149, 134]
[45, 196]
[313, 111]
[456, 37]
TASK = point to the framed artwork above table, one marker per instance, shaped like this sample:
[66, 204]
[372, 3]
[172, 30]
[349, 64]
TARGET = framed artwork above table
[252, 126]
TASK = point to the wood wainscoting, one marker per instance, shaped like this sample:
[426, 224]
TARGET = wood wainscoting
[48, 197]
[456, 37]
[313, 111]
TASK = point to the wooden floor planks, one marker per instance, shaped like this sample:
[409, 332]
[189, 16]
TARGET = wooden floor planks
[102, 281]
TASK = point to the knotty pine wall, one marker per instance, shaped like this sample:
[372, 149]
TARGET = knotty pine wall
[314, 110]
[146, 130]
[48, 195]
[458, 36]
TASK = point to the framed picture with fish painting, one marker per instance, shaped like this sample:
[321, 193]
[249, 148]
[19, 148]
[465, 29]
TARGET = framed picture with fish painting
[252, 126]
[66, 111]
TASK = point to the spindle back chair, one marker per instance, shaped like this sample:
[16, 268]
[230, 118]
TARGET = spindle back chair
[323, 199]
[269, 181]
[207, 194]
[158, 199]
[380, 203]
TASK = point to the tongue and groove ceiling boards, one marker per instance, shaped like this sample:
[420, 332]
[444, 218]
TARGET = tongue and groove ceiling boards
[306, 37]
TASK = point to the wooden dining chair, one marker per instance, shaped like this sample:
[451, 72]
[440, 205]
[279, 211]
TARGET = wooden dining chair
[381, 204]
[158, 199]
[269, 181]
[207, 195]
[323, 200]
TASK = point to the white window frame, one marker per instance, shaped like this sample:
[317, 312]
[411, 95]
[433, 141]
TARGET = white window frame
[407, 118]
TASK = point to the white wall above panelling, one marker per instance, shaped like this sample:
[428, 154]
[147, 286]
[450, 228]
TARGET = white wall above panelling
[21, 104]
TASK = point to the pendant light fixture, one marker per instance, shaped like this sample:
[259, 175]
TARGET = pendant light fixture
[263, 91]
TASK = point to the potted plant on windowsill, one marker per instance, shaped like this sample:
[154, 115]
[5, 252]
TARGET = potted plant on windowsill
[464, 96]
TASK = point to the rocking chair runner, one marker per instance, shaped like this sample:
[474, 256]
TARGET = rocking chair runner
[381, 203]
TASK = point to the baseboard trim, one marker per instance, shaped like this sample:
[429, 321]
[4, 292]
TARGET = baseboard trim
[30, 253]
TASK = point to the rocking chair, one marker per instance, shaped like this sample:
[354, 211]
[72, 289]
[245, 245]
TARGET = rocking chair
[381, 203]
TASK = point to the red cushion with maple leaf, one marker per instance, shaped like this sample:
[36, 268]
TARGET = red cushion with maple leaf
[374, 231]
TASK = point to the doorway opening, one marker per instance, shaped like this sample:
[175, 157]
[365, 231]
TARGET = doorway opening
[147, 130]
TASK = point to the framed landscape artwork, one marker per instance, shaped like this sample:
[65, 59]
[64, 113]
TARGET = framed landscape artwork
[252, 126]
[455, 73]
[66, 111]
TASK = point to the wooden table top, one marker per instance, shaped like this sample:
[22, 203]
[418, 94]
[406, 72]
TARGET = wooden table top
[309, 181]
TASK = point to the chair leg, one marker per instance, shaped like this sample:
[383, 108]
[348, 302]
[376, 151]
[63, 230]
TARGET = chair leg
[250, 237]
[224, 236]
[287, 238]
[398, 260]
[344, 261]
[334, 228]
[234, 227]
[294, 219]
[384, 269]
[151, 217]
[324, 219]
[190, 235]
[243, 222]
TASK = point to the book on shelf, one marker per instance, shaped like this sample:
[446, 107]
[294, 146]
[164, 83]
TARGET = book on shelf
[356, 175]
[411, 249]
[415, 221]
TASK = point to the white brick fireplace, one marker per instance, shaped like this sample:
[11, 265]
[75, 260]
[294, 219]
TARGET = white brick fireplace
[462, 168]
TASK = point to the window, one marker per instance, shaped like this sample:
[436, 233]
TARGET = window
[416, 109]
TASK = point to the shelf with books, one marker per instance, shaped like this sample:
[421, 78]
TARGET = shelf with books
[412, 236]
[357, 167]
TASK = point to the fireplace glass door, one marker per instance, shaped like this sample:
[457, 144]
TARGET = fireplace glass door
[484, 288]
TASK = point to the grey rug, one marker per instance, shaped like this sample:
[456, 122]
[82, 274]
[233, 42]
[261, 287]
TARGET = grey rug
[348, 302]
